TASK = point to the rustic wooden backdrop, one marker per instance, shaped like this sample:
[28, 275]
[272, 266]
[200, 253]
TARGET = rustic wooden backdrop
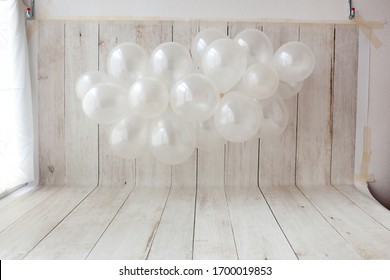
[316, 150]
[287, 198]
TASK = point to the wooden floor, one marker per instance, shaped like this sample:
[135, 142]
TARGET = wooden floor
[193, 222]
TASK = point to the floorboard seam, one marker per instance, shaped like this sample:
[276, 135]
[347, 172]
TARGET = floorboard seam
[61, 220]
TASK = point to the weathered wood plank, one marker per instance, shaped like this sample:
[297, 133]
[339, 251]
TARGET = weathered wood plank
[99, 208]
[113, 171]
[314, 132]
[344, 105]
[131, 233]
[51, 117]
[346, 217]
[20, 238]
[159, 218]
[78, 233]
[81, 133]
[174, 237]
[340, 212]
[248, 209]
[278, 154]
[370, 239]
[16, 205]
[367, 204]
[256, 232]
[309, 234]
[213, 237]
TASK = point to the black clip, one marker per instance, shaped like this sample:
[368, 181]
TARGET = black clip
[351, 10]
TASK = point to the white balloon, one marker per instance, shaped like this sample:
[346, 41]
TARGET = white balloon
[294, 62]
[148, 98]
[172, 139]
[207, 137]
[224, 62]
[288, 90]
[202, 40]
[105, 103]
[260, 81]
[257, 45]
[237, 117]
[194, 98]
[88, 80]
[273, 116]
[127, 62]
[129, 138]
[170, 62]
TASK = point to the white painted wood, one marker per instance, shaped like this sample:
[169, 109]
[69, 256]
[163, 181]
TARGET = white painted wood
[113, 171]
[94, 215]
[256, 232]
[51, 66]
[78, 233]
[370, 239]
[17, 204]
[341, 213]
[248, 209]
[211, 206]
[213, 236]
[131, 233]
[344, 112]
[344, 105]
[309, 234]
[314, 109]
[278, 154]
[20, 238]
[81, 133]
[174, 237]
[367, 204]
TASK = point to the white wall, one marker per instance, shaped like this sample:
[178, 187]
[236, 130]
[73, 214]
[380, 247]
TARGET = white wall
[374, 100]
[212, 9]
[378, 107]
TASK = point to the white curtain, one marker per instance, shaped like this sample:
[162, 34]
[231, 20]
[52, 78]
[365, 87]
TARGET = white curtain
[16, 123]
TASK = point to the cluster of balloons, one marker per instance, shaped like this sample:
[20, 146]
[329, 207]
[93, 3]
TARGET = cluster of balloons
[174, 100]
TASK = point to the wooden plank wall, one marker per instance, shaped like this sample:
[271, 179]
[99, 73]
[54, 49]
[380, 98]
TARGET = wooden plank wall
[241, 186]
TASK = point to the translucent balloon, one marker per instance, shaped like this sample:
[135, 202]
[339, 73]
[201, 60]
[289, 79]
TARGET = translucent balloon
[170, 62]
[88, 80]
[257, 45]
[127, 63]
[288, 90]
[237, 117]
[129, 138]
[207, 137]
[260, 81]
[273, 116]
[105, 103]
[293, 62]
[202, 40]
[194, 98]
[148, 98]
[224, 62]
[172, 139]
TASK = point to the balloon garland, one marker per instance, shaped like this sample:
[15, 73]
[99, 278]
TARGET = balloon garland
[172, 101]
